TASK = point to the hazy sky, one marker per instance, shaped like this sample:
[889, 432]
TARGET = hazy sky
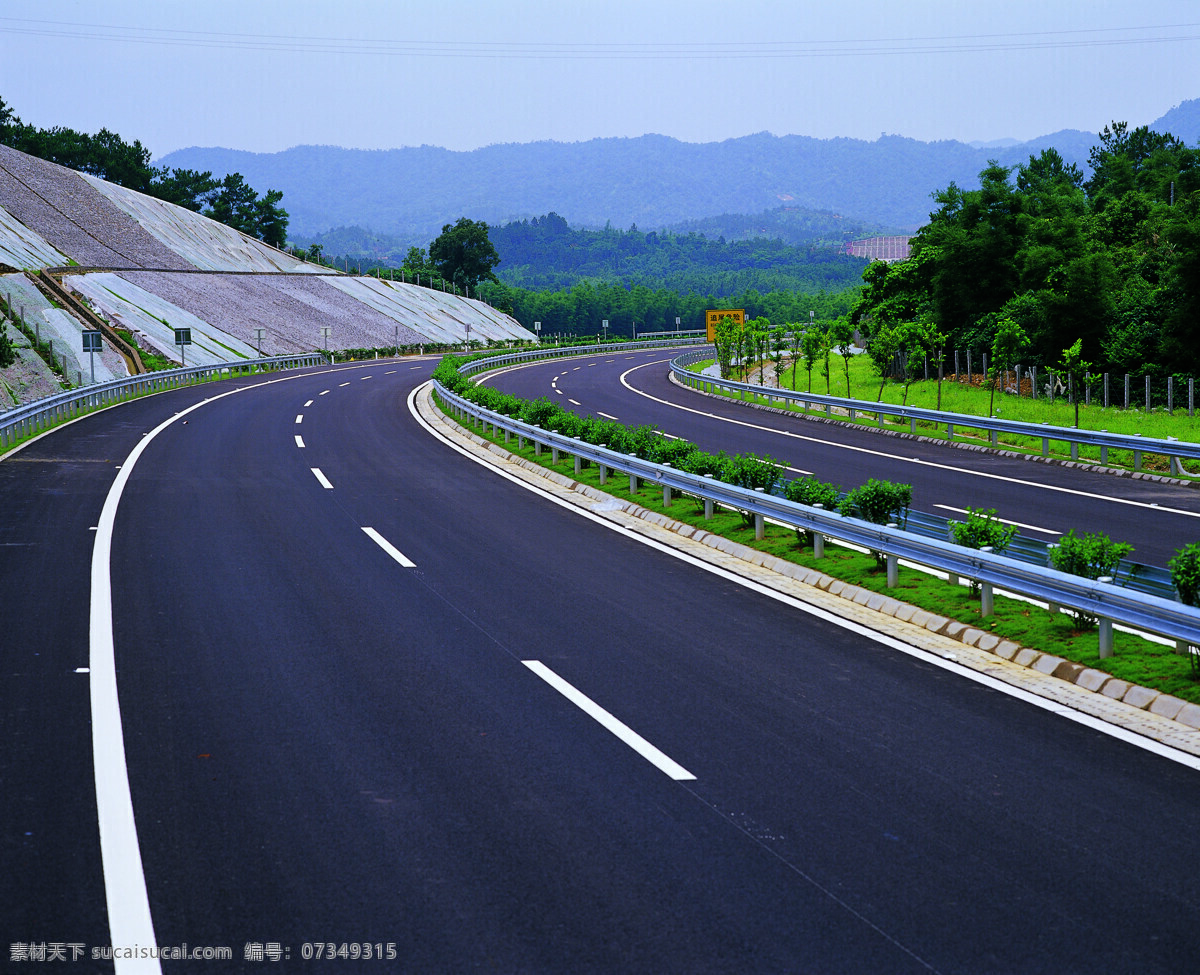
[265, 75]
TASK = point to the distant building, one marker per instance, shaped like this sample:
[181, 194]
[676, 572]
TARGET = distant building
[880, 248]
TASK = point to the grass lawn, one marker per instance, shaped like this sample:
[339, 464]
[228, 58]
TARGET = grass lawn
[1135, 659]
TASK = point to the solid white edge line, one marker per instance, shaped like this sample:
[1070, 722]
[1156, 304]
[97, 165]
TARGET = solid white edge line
[993, 683]
[610, 723]
[321, 478]
[391, 549]
[129, 920]
[127, 903]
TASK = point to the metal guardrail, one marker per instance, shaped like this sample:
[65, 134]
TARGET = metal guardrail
[29, 418]
[1107, 602]
[1073, 436]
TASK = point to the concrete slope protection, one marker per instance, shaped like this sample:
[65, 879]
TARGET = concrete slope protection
[151, 267]
[329, 744]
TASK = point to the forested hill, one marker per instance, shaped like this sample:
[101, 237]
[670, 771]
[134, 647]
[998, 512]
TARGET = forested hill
[652, 181]
[546, 253]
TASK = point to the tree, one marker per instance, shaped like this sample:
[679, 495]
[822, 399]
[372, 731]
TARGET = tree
[1073, 365]
[1010, 341]
[185, 187]
[841, 337]
[463, 254]
[271, 219]
[812, 344]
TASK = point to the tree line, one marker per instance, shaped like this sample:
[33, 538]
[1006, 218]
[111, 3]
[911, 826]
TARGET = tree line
[1044, 264]
[109, 157]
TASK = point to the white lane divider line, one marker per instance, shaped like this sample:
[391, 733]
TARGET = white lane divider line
[365, 377]
[323, 392]
[308, 404]
[391, 549]
[390, 372]
[299, 417]
[321, 478]
[340, 385]
[299, 441]
[574, 402]
[607, 416]
[618, 728]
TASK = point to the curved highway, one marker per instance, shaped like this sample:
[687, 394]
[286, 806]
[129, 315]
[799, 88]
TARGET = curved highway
[372, 693]
[1045, 500]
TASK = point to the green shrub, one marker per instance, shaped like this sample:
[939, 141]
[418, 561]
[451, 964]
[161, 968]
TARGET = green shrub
[878, 502]
[1091, 556]
[982, 529]
[810, 491]
[751, 472]
[1185, 573]
[540, 412]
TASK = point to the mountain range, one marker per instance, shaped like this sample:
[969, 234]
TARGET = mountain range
[651, 181]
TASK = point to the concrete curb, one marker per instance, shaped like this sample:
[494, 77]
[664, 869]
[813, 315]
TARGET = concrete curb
[1141, 710]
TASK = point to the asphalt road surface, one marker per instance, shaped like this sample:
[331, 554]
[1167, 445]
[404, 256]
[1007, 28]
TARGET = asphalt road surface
[372, 693]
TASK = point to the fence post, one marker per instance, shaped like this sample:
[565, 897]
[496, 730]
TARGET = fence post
[1147, 394]
[1126, 390]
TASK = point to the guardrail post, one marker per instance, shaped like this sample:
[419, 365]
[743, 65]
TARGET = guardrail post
[603, 469]
[1045, 442]
[537, 447]
[666, 493]
[633, 484]
[1137, 457]
[893, 565]
[951, 577]
[1074, 450]
[578, 463]
[553, 451]
[1053, 608]
[950, 432]
[760, 528]
[987, 603]
[708, 503]
[818, 539]
[1106, 630]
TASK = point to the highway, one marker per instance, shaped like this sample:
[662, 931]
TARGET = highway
[1045, 500]
[373, 693]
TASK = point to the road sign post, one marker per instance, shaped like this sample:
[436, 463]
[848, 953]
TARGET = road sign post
[91, 345]
[183, 338]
